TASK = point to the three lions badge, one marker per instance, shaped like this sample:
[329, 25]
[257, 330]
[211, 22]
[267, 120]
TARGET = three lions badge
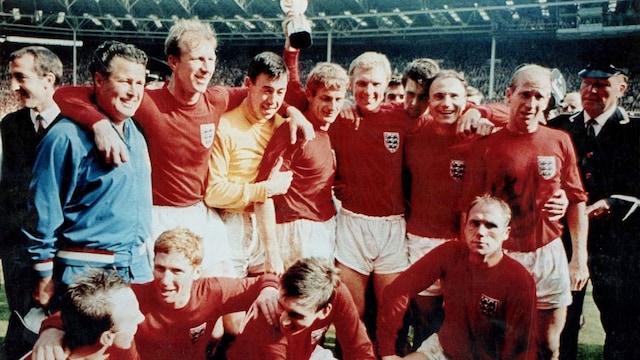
[207, 133]
[392, 141]
[488, 306]
[457, 169]
[547, 167]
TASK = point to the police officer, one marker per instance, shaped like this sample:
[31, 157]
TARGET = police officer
[607, 141]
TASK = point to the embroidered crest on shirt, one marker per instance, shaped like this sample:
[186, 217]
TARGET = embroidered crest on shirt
[392, 141]
[207, 133]
[316, 335]
[488, 306]
[196, 333]
[546, 166]
[456, 169]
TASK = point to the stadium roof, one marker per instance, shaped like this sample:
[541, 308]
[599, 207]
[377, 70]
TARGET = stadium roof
[247, 20]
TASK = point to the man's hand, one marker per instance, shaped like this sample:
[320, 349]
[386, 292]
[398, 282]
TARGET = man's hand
[350, 112]
[279, 181]
[472, 123]
[391, 357]
[598, 209]
[285, 31]
[298, 121]
[266, 226]
[274, 264]
[267, 304]
[556, 206]
[43, 291]
[49, 345]
[111, 147]
[579, 274]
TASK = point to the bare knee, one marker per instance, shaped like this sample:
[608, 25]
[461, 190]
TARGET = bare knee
[550, 325]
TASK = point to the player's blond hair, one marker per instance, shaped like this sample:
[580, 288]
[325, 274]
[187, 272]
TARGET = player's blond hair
[183, 241]
[371, 60]
[328, 76]
[186, 34]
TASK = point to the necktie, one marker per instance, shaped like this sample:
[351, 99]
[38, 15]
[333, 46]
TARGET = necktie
[591, 132]
[40, 124]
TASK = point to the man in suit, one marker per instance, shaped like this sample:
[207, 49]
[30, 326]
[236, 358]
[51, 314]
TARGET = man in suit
[36, 72]
[607, 142]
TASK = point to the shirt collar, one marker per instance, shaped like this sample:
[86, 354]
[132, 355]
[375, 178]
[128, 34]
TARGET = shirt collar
[602, 118]
[48, 115]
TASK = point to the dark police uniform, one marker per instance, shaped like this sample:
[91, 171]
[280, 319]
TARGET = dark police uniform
[610, 167]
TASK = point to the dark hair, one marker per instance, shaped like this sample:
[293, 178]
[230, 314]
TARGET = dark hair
[86, 307]
[396, 79]
[105, 52]
[422, 71]
[44, 61]
[312, 281]
[268, 63]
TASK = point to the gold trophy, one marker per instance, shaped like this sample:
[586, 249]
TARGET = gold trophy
[298, 28]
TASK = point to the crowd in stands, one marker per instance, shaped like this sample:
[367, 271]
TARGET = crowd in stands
[228, 174]
[473, 59]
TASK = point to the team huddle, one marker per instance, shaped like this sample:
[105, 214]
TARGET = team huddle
[198, 222]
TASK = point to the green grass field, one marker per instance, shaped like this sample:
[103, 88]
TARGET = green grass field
[591, 335]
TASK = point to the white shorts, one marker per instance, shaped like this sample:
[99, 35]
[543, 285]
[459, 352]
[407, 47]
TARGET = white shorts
[305, 238]
[246, 250]
[369, 244]
[418, 247]
[320, 353]
[550, 269]
[203, 221]
[432, 348]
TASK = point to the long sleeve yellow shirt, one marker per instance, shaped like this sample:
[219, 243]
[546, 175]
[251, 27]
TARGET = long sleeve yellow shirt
[237, 151]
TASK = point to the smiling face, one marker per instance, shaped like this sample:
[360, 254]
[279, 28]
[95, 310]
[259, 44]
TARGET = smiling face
[120, 92]
[447, 99]
[266, 95]
[325, 104]
[33, 90]
[297, 316]
[368, 86]
[173, 276]
[194, 68]
[528, 97]
[600, 95]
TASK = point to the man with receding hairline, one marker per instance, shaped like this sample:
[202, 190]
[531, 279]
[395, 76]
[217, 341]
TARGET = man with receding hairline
[489, 297]
[36, 72]
[180, 121]
[526, 164]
